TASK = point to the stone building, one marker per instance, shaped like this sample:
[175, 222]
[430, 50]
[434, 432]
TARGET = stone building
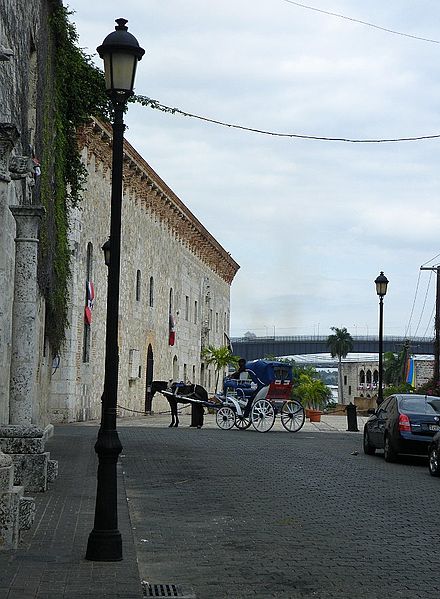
[170, 267]
[360, 379]
[175, 279]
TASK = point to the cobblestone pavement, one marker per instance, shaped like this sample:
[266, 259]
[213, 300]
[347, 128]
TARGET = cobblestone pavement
[234, 514]
[241, 514]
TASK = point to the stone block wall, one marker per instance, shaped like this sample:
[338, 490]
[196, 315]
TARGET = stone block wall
[162, 240]
[16, 511]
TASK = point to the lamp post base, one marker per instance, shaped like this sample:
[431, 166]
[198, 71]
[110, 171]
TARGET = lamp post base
[104, 546]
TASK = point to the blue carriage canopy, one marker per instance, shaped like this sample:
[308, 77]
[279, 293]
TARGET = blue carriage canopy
[268, 371]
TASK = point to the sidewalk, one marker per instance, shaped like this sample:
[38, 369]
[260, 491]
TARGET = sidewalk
[49, 563]
[328, 423]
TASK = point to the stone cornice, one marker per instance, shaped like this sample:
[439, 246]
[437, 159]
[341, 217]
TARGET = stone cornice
[149, 190]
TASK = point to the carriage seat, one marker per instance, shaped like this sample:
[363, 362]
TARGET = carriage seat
[241, 388]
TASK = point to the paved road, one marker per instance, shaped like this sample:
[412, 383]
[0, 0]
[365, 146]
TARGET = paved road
[243, 514]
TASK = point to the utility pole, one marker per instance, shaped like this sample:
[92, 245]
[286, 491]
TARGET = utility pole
[436, 374]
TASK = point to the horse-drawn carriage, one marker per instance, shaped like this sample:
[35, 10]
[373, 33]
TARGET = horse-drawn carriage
[260, 393]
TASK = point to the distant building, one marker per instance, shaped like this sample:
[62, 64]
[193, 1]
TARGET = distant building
[360, 379]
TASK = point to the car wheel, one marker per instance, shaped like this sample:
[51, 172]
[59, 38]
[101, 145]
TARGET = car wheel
[368, 448]
[389, 453]
[433, 463]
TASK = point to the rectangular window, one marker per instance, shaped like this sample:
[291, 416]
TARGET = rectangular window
[186, 307]
[86, 343]
[345, 379]
[216, 322]
[138, 285]
[151, 301]
[195, 312]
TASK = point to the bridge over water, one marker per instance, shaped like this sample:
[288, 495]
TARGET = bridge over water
[260, 347]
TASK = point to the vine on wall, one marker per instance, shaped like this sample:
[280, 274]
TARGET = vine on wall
[74, 92]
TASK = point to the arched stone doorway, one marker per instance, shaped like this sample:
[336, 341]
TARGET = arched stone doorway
[149, 378]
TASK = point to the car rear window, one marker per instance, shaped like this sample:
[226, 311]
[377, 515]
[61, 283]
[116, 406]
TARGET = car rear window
[430, 405]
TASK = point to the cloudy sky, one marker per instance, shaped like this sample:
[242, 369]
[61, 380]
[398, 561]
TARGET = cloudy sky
[311, 223]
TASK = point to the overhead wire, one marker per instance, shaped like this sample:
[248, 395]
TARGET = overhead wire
[432, 259]
[334, 14]
[429, 321]
[413, 305]
[434, 308]
[155, 104]
[424, 303]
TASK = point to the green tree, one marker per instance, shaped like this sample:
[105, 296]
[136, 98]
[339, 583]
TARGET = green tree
[220, 357]
[340, 344]
[394, 366]
[312, 392]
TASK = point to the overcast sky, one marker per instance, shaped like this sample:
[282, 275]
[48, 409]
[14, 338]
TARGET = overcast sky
[311, 223]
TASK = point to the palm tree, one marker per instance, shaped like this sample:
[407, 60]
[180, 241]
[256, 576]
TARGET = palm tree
[339, 344]
[220, 357]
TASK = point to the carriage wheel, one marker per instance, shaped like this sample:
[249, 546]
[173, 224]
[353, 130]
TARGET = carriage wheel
[262, 415]
[292, 416]
[242, 422]
[225, 418]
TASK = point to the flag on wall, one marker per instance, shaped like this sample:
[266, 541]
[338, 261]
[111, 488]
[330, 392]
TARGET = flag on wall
[411, 372]
[90, 301]
[171, 332]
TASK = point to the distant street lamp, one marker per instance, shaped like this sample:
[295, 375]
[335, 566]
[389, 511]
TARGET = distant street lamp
[120, 51]
[381, 289]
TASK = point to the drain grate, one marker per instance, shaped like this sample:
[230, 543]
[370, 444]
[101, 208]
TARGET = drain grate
[165, 590]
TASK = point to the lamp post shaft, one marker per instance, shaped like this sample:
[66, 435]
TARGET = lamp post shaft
[111, 375]
[380, 383]
[105, 543]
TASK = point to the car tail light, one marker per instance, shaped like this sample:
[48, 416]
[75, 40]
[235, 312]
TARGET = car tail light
[404, 423]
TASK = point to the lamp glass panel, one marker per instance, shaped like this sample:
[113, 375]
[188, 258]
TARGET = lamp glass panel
[123, 68]
[107, 256]
[107, 70]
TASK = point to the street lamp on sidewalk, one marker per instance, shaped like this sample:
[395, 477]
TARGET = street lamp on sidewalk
[120, 51]
[381, 283]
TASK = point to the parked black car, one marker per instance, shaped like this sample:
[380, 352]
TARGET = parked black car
[403, 423]
[434, 455]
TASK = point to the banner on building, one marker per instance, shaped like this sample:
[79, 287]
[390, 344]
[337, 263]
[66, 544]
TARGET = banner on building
[90, 302]
[172, 331]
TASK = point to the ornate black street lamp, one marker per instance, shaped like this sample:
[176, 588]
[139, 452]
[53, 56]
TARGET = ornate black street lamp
[120, 51]
[381, 289]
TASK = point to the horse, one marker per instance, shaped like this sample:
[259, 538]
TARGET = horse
[175, 394]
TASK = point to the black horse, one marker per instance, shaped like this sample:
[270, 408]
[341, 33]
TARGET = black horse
[176, 394]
